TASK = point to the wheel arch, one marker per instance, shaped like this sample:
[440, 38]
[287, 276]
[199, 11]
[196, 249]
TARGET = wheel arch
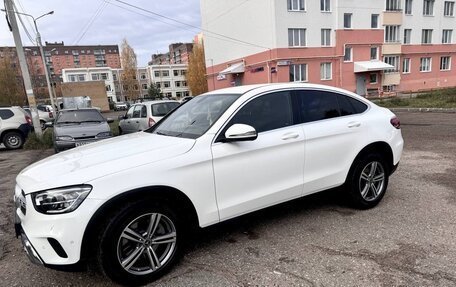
[380, 147]
[165, 193]
[2, 134]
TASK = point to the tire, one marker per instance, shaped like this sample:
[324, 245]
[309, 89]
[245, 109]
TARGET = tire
[43, 125]
[13, 140]
[127, 255]
[367, 181]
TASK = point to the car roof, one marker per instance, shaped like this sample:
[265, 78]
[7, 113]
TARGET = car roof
[157, 102]
[80, 109]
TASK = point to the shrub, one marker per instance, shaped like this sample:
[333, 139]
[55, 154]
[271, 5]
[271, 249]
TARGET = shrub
[33, 142]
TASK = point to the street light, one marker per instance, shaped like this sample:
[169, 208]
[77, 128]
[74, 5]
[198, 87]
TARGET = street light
[38, 41]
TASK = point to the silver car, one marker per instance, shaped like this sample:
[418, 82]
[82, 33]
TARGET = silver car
[142, 116]
[77, 127]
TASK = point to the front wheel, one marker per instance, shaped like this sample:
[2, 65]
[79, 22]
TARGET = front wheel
[13, 140]
[367, 181]
[140, 243]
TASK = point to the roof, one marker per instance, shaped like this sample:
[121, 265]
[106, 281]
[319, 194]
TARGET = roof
[368, 66]
[234, 69]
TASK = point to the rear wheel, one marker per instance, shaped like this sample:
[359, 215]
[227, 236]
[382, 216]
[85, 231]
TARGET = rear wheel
[13, 140]
[367, 181]
[140, 243]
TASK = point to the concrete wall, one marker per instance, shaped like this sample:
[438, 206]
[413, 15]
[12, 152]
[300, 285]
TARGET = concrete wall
[94, 89]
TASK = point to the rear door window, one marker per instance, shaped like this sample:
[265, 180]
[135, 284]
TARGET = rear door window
[316, 105]
[6, 114]
[137, 111]
[161, 109]
[130, 112]
[143, 111]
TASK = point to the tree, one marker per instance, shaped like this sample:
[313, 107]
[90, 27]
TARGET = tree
[130, 66]
[11, 87]
[196, 74]
[154, 92]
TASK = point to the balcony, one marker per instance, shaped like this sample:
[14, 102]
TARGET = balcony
[392, 17]
[391, 49]
[391, 79]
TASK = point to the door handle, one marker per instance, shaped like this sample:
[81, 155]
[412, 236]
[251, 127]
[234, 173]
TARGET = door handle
[137, 122]
[354, 124]
[289, 136]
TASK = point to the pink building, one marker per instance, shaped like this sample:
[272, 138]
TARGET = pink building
[368, 47]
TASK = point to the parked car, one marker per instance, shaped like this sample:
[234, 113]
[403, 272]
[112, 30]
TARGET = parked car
[142, 116]
[44, 116]
[15, 125]
[120, 106]
[77, 127]
[129, 201]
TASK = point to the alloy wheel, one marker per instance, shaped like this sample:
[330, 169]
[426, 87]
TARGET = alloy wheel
[146, 244]
[372, 181]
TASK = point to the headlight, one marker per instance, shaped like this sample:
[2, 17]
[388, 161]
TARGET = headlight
[60, 200]
[104, 135]
[64, 138]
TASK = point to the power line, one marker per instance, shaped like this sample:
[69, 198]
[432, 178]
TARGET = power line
[226, 12]
[189, 25]
[180, 27]
[86, 27]
[29, 36]
[31, 26]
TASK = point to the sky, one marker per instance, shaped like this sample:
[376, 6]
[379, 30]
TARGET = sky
[145, 32]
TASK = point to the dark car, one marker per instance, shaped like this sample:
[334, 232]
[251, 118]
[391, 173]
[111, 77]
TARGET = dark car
[77, 127]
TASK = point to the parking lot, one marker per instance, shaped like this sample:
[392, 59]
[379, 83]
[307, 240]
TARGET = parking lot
[408, 240]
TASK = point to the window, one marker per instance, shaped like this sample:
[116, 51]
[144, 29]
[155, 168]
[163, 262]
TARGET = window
[446, 36]
[95, 77]
[317, 105]
[108, 88]
[266, 113]
[428, 7]
[144, 86]
[393, 5]
[184, 83]
[176, 73]
[183, 72]
[325, 5]
[374, 53]
[157, 74]
[393, 61]
[297, 37]
[445, 63]
[407, 36]
[350, 106]
[114, 77]
[177, 84]
[81, 78]
[166, 84]
[143, 111]
[6, 114]
[296, 5]
[373, 78]
[137, 111]
[326, 71]
[448, 9]
[104, 76]
[408, 7]
[326, 37]
[374, 21]
[347, 20]
[348, 54]
[425, 64]
[426, 36]
[298, 73]
[391, 33]
[165, 73]
[160, 110]
[143, 76]
[406, 66]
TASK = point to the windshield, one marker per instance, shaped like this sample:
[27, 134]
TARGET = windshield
[79, 116]
[160, 110]
[194, 118]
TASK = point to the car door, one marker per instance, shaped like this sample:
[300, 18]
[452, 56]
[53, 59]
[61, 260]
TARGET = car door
[334, 133]
[126, 124]
[143, 120]
[136, 118]
[254, 174]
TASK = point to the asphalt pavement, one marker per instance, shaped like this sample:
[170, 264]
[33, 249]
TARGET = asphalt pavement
[407, 240]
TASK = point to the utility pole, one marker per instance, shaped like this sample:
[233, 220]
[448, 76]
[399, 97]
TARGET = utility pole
[24, 68]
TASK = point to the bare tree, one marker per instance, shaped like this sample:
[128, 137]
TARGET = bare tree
[196, 74]
[129, 79]
[11, 88]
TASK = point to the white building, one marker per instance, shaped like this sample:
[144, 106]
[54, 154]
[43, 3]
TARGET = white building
[170, 79]
[92, 74]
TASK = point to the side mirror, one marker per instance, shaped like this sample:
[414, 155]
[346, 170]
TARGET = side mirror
[240, 132]
[110, 120]
[49, 124]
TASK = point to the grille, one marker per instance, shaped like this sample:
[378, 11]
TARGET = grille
[84, 138]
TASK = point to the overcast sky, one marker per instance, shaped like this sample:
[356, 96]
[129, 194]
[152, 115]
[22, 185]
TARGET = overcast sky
[146, 33]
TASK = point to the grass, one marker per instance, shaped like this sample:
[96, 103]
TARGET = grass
[33, 142]
[445, 98]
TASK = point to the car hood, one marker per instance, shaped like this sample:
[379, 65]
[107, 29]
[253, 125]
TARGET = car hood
[81, 130]
[86, 163]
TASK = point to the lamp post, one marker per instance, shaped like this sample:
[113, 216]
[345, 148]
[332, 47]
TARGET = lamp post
[38, 41]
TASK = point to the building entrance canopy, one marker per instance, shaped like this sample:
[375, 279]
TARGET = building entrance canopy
[371, 66]
[234, 69]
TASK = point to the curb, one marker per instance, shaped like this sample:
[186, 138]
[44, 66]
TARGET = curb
[424, 110]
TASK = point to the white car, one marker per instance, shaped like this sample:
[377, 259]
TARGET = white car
[142, 116]
[15, 125]
[129, 201]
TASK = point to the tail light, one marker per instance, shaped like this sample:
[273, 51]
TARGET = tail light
[51, 115]
[151, 122]
[395, 122]
[29, 120]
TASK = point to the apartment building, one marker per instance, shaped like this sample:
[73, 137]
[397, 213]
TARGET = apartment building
[170, 79]
[143, 78]
[178, 53]
[368, 47]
